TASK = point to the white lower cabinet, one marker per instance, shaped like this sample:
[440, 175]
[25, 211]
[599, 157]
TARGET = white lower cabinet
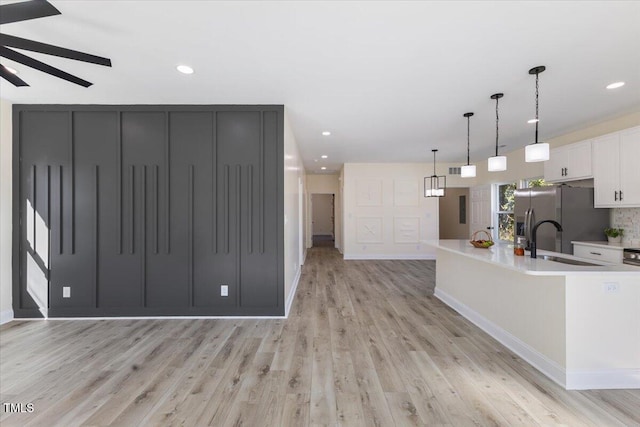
[602, 253]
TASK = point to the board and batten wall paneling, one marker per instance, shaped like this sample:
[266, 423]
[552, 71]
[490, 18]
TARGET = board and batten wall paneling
[385, 213]
[148, 210]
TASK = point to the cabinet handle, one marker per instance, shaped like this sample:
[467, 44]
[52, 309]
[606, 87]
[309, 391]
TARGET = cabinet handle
[595, 253]
[562, 172]
[615, 196]
[620, 195]
[566, 171]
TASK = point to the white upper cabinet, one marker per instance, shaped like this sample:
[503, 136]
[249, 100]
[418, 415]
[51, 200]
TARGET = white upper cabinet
[616, 169]
[569, 163]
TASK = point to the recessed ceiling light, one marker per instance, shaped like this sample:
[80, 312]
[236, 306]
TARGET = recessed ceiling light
[11, 70]
[533, 121]
[323, 168]
[324, 156]
[326, 133]
[185, 69]
[615, 85]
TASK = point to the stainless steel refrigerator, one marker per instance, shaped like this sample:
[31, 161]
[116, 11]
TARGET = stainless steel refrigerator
[572, 207]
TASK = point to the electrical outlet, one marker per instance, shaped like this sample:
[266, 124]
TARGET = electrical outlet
[224, 290]
[611, 287]
[66, 292]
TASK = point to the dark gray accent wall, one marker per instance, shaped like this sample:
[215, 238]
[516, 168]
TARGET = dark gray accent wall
[148, 210]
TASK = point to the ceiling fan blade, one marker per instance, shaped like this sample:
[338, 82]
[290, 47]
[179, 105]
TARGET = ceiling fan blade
[24, 11]
[34, 46]
[10, 77]
[41, 66]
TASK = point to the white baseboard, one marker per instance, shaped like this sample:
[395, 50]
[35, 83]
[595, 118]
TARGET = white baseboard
[389, 256]
[6, 316]
[292, 293]
[609, 379]
[538, 360]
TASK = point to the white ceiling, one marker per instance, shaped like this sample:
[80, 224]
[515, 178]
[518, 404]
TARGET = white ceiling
[390, 80]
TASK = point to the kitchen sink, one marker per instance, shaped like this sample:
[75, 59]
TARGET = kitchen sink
[567, 260]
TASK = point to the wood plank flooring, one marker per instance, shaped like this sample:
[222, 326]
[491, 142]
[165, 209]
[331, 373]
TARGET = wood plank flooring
[366, 344]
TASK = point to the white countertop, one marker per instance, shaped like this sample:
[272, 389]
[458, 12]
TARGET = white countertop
[501, 254]
[603, 244]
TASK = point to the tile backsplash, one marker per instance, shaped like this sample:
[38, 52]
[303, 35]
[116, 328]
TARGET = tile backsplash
[629, 220]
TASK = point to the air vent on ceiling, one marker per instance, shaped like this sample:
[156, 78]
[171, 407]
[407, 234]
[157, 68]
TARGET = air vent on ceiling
[454, 171]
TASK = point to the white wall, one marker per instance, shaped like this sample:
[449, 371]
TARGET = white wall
[327, 184]
[386, 215]
[293, 174]
[323, 184]
[6, 311]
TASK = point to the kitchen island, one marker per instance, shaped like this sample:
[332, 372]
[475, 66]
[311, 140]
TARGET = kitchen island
[577, 324]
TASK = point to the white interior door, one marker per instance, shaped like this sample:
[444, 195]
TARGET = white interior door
[480, 206]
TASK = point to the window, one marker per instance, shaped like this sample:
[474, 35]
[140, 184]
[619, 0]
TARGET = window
[535, 182]
[504, 210]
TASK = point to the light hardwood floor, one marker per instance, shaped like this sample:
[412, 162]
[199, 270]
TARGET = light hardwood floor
[366, 344]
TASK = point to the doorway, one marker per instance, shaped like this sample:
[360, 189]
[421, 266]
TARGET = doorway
[323, 220]
[453, 211]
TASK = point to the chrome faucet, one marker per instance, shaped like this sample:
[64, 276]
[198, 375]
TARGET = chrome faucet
[534, 232]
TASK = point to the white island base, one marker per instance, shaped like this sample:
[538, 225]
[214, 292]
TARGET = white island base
[580, 326]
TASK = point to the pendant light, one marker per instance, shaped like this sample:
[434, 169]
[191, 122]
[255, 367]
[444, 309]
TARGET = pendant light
[497, 163]
[538, 151]
[434, 185]
[468, 171]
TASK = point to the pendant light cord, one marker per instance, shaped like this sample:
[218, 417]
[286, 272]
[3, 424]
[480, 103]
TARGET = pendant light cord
[434, 162]
[497, 119]
[468, 125]
[537, 108]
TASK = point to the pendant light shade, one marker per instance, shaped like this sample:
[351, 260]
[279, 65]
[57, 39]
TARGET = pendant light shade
[538, 151]
[468, 170]
[434, 185]
[497, 163]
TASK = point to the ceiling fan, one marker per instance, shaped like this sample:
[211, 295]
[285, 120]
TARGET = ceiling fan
[34, 9]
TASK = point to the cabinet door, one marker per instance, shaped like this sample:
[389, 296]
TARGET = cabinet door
[606, 171]
[554, 167]
[629, 168]
[579, 161]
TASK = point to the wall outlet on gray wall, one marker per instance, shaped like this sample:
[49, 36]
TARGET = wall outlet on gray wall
[224, 290]
[66, 292]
